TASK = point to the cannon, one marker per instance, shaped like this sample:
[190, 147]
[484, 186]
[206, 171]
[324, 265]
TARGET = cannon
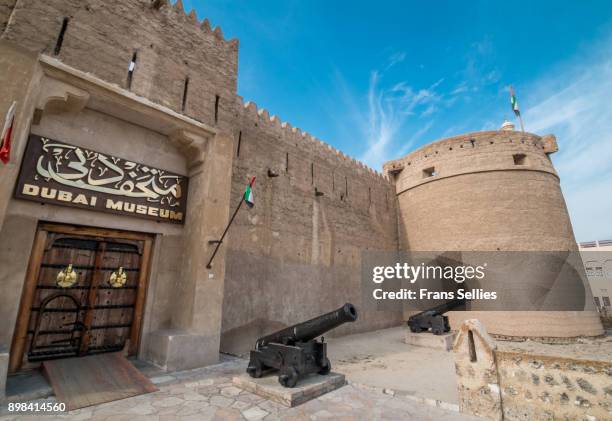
[295, 351]
[433, 318]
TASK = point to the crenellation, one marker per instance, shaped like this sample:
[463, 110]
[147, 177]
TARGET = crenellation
[218, 33]
[205, 26]
[178, 6]
[193, 16]
[263, 113]
[319, 150]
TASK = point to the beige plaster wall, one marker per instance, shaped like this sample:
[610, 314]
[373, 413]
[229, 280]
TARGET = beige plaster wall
[19, 77]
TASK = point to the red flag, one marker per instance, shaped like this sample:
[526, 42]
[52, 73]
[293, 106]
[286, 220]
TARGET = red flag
[7, 132]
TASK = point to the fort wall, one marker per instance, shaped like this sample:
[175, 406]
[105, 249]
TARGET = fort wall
[297, 253]
[169, 47]
[490, 191]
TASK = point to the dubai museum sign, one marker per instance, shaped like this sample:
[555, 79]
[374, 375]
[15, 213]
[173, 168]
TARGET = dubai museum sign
[62, 174]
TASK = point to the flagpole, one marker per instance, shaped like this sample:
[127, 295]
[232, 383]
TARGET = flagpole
[208, 265]
[521, 120]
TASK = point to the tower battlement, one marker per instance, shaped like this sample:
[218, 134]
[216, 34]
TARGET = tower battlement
[473, 153]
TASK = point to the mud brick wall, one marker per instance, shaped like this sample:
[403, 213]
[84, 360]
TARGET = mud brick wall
[170, 47]
[523, 386]
[297, 253]
[553, 388]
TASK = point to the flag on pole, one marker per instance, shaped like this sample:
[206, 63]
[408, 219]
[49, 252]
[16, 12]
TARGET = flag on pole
[249, 197]
[7, 132]
[514, 102]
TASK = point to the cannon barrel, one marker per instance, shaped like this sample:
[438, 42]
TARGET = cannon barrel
[312, 328]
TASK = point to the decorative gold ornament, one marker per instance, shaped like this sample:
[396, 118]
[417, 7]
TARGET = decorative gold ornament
[118, 278]
[67, 277]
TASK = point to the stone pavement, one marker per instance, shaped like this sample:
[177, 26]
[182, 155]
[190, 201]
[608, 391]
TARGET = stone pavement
[208, 394]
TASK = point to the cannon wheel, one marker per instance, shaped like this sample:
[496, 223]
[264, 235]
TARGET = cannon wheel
[326, 367]
[255, 369]
[437, 331]
[288, 377]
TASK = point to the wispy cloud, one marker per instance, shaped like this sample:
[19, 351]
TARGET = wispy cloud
[575, 105]
[388, 109]
[395, 58]
[460, 88]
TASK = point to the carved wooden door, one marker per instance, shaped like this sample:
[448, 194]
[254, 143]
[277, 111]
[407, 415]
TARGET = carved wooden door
[86, 294]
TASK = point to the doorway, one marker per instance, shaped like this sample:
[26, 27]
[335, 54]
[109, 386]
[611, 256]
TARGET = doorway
[84, 294]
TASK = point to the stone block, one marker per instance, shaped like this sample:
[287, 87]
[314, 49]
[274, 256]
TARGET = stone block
[429, 340]
[309, 387]
[175, 350]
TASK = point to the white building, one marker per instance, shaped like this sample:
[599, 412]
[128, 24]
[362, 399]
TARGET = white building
[597, 258]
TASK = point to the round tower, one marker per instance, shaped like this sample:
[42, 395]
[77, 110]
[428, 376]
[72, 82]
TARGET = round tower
[490, 191]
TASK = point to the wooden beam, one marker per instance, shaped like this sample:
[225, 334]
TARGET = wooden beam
[94, 232]
[27, 297]
[143, 277]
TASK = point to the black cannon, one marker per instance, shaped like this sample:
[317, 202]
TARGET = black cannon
[295, 351]
[433, 318]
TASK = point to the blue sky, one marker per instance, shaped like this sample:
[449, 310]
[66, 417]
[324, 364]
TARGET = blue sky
[379, 79]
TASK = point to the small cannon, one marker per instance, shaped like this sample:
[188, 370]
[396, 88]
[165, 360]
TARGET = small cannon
[295, 351]
[433, 318]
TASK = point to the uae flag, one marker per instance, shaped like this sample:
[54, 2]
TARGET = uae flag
[514, 102]
[249, 197]
[7, 132]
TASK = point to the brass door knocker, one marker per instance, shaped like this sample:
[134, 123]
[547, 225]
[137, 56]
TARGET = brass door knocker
[67, 277]
[118, 278]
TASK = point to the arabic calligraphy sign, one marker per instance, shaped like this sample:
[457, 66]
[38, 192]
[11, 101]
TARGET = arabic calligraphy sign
[63, 174]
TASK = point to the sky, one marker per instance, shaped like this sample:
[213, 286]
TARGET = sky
[379, 79]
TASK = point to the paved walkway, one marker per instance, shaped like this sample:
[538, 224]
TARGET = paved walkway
[208, 394]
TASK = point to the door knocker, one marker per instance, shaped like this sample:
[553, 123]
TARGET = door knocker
[118, 278]
[67, 277]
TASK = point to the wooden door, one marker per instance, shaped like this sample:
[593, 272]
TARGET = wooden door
[84, 294]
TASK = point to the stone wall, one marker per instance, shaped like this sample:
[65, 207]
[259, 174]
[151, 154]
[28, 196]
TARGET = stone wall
[554, 388]
[102, 37]
[555, 384]
[297, 253]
